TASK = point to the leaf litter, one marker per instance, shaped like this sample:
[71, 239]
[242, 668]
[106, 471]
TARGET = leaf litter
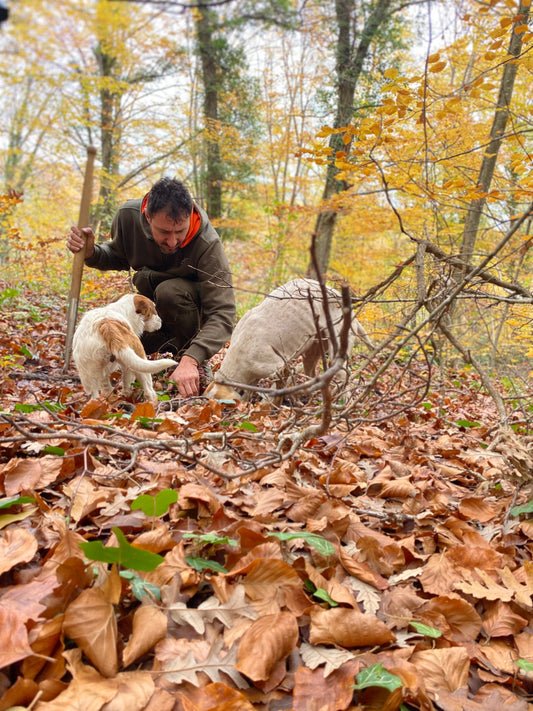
[384, 547]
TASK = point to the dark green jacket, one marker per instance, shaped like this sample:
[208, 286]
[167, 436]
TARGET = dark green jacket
[203, 260]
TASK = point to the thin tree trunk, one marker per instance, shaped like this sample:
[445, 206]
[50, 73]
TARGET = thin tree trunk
[497, 132]
[349, 66]
[214, 170]
[110, 139]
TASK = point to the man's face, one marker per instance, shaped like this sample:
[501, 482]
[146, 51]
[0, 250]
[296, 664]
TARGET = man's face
[168, 234]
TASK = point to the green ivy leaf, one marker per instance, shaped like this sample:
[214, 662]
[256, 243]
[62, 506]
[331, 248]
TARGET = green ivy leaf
[155, 505]
[526, 508]
[425, 630]
[126, 555]
[201, 564]
[211, 539]
[319, 543]
[377, 675]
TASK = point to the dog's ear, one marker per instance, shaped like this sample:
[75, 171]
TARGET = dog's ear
[143, 306]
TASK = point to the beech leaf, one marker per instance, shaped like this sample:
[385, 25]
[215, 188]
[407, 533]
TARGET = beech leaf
[90, 622]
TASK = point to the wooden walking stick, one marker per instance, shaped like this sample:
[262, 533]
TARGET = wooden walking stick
[79, 257]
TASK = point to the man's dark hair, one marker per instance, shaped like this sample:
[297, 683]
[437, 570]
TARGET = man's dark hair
[170, 196]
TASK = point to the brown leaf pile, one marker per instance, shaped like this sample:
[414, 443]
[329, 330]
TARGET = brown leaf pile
[416, 509]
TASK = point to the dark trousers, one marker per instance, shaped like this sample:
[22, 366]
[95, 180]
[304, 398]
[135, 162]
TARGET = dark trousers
[178, 304]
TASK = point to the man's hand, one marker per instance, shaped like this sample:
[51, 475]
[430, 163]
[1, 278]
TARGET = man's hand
[77, 238]
[186, 377]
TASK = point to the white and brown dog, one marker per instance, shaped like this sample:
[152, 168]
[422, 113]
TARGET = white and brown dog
[279, 330]
[108, 338]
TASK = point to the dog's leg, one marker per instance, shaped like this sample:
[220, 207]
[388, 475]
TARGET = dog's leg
[146, 383]
[128, 378]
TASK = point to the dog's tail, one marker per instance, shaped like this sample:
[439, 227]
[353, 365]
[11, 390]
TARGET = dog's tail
[131, 360]
[127, 348]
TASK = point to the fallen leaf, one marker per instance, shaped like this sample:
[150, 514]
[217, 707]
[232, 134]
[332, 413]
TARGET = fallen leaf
[443, 668]
[347, 628]
[90, 622]
[16, 546]
[149, 626]
[267, 641]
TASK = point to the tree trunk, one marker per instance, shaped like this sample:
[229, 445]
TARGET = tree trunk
[350, 59]
[499, 123]
[110, 139]
[214, 173]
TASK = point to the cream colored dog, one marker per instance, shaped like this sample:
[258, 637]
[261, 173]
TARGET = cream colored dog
[108, 337]
[276, 332]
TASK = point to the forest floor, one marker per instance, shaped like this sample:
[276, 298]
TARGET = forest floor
[173, 559]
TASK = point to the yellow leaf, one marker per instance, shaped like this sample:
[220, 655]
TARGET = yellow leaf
[434, 57]
[347, 138]
[391, 73]
[497, 33]
[506, 21]
[437, 67]
[521, 28]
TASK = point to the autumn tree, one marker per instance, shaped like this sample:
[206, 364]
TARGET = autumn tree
[354, 38]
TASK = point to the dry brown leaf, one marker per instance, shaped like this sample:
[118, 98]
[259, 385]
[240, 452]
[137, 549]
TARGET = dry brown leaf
[438, 576]
[212, 609]
[184, 659]
[88, 691]
[16, 546]
[271, 584]
[524, 644]
[347, 628]
[477, 509]
[192, 495]
[215, 696]
[266, 642]
[360, 570]
[15, 644]
[86, 497]
[313, 690]
[399, 605]
[523, 594]
[336, 590]
[501, 621]
[397, 489]
[314, 656]
[149, 626]
[45, 642]
[443, 668]
[90, 622]
[465, 623]
[30, 474]
[500, 655]
[480, 585]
